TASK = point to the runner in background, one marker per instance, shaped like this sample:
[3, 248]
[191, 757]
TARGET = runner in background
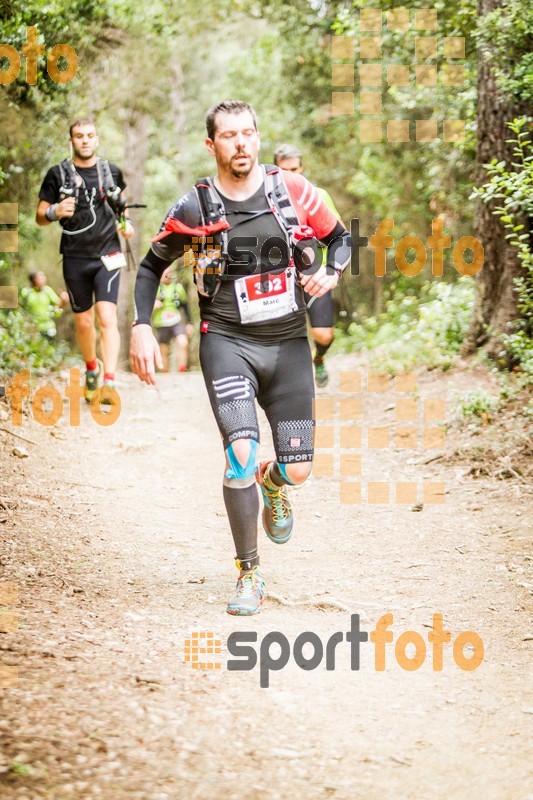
[172, 320]
[42, 303]
[320, 310]
[83, 194]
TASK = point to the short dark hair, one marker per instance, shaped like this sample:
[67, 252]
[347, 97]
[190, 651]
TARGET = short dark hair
[229, 106]
[81, 121]
[284, 151]
[32, 276]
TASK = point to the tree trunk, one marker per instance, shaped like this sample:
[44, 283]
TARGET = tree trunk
[135, 158]
[496, 299]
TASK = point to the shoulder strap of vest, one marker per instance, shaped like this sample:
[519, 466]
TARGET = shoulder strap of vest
[66, 170]
[211, 204]
[105, 177]
[278, 195]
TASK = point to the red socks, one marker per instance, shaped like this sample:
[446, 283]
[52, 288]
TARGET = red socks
[92, 366]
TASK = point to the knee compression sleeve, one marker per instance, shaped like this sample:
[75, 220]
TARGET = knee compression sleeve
[279, 474]
[239, 476]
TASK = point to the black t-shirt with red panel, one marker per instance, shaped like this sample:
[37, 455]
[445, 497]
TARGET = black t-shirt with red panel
[258, 251]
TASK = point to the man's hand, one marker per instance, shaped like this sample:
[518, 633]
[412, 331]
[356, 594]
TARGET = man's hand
[144, 351]
[188, 329]
[65, 208]
[319, 283]
[63, 299]
[128, 231]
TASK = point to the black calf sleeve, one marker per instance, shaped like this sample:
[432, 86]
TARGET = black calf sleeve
[322, 349]
[242, 506]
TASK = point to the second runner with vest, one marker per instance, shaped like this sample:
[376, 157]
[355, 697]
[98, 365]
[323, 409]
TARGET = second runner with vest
[84, 195]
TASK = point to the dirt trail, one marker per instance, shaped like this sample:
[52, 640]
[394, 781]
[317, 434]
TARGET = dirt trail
[120, 548]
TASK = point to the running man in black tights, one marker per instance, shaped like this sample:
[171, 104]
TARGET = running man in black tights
[254, 228]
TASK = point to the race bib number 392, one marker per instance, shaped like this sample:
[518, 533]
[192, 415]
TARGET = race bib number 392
[263, 297]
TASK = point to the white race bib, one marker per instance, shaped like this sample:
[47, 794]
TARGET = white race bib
[114, 260]
[263, 297]
[170, 317]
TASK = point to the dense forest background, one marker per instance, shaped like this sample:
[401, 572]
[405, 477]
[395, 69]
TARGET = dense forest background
[148, 73]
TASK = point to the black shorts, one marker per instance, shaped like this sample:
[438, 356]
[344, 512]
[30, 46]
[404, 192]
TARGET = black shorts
[87, 278]
[279, 376]
[166, 335]
[320, 310]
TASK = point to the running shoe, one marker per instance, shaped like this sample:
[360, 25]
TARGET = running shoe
[92, 381]
[321, 373]
[109, 394]
[249, 594]
[278, 518]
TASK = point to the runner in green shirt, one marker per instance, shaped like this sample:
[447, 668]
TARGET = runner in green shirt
[42, 303]
[172, 320]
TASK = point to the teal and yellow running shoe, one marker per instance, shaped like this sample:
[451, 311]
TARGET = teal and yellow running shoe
[278, 518]
[249, 594]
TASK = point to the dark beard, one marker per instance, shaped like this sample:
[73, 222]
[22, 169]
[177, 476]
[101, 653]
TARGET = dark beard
[241, 172]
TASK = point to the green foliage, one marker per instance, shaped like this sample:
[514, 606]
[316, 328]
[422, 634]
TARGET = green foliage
[278, 56]
[20, 770]
[425, 329]
[506, 38]
[411, 182]
[23, 347]
[478, 404]
[511, 186]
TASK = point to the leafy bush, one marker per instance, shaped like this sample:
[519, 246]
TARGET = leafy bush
[427, 329]
[22, 346]
[478, 404]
